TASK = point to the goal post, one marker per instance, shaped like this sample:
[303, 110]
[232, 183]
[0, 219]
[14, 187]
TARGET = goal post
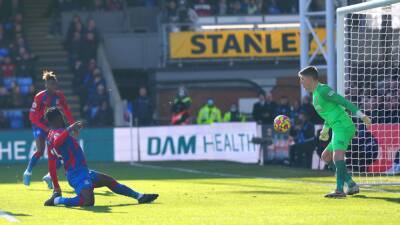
[368, 69]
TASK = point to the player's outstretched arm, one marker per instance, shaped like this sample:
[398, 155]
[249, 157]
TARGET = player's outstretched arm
[52, 164]
[53, 174]
[60, 139]
[332, 96]
[75, 126]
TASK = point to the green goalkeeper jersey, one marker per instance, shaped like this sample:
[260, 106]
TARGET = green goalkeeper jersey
[331, 107]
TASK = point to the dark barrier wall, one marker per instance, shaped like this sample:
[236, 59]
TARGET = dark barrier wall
[133, 51]
[106, 22]
[137, 19]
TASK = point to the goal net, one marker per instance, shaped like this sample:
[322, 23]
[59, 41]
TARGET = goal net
[368, 68]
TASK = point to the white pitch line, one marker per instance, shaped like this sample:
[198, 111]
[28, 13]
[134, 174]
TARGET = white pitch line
[8, 217]
[242, 176]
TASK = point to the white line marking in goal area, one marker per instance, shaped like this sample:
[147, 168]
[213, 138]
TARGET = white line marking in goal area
[8, 217]
[242, 176]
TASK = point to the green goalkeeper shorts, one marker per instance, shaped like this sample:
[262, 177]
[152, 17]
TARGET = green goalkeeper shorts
[341, 138]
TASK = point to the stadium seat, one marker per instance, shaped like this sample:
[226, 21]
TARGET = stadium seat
[24, 84]
[3, 52]
[8, 82]
[24, 89]
[24, 81]
[15, 117]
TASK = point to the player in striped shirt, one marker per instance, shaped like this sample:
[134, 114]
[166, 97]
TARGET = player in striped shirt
[50, 97]
[63, 146]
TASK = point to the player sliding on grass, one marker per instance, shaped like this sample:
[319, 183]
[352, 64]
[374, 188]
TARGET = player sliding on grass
[43, 100]
[61, 145]
[331, 107]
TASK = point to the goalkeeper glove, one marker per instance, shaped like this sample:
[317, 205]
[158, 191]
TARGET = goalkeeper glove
[364, 118]
[324, 135]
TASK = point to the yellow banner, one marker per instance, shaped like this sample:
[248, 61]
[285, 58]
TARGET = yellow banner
[238, 43]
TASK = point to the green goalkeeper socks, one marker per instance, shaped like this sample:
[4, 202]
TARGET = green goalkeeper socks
[348, 179]
[331, 166]
[340, 174]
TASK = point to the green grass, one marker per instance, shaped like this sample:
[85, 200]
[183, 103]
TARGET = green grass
[253, 195]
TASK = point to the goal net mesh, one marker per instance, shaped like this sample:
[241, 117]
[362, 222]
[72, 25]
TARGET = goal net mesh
[371, 81]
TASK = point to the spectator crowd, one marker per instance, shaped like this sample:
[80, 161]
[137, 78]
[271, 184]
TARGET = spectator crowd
[264, 110]
[56, 7]
[174, 8]
[85, 5]
[182, 10]
[184, 14]
[380, 101]
[16, 67]
[82, 42]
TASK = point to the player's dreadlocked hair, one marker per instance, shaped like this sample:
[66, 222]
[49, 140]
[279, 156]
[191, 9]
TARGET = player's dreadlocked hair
[52, 113]
[49, 75]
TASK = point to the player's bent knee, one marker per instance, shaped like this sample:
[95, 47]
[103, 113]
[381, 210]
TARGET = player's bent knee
[326, 156]
[339, 155]
[40, 149]
[87, 197]
[88, 201]
[38, 153]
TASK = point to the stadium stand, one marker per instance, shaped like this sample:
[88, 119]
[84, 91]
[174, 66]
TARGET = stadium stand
[17, 64]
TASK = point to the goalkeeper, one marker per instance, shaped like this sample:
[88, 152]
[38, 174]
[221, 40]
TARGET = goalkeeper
[331, 107]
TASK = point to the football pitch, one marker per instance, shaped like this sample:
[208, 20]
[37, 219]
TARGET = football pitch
[194, 193]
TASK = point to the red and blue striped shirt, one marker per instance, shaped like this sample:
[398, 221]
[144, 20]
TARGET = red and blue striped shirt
[61, 145]
[42, 101]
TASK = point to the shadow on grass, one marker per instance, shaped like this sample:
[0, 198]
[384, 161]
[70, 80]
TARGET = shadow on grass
[106, 208]
[101, 208]
[70, 192]
[393, 200]
[16, 214]
[96, 193]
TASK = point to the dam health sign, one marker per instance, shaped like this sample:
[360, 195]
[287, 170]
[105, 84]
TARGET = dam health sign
[220, 141]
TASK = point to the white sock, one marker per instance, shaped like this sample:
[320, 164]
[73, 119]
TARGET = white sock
[57, 200]
[139, 196]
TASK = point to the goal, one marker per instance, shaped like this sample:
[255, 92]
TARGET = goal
[368, 69]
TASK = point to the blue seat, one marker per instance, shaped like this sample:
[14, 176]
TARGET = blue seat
[7, 113]
[24, 84]
[8, 82]
[24, 89]
[27, 81]
[3, 52]
[15, 117]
